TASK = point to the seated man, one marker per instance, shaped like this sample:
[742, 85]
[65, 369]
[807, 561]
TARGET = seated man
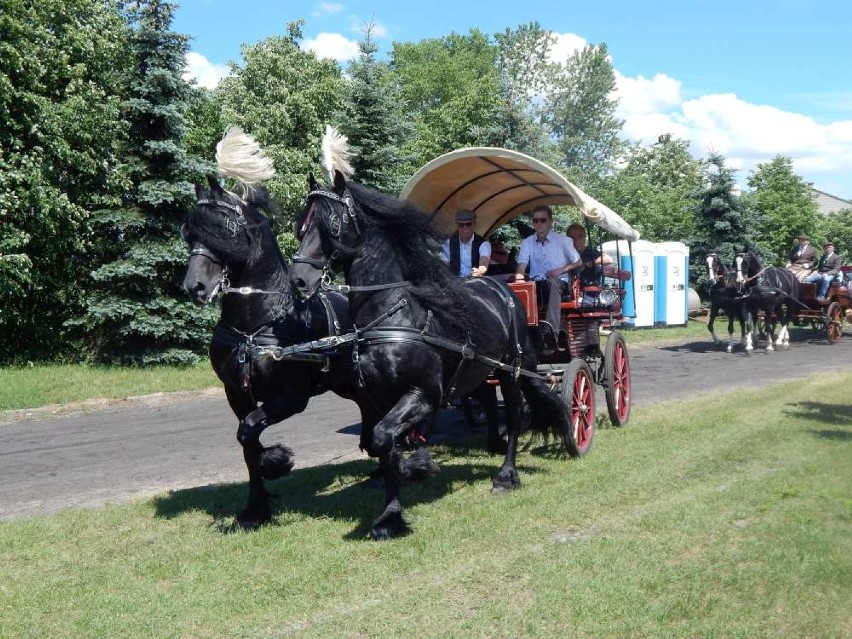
[466, 253]
[827, 269]
[802, 258]
[593, 259]
[551, 258]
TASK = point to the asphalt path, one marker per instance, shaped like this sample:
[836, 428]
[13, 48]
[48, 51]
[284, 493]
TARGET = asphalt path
[91, 454]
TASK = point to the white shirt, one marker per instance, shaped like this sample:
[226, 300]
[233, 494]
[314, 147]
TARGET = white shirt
[556, 251]
[465, 252]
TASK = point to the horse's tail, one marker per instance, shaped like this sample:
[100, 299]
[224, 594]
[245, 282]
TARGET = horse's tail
[549, 414]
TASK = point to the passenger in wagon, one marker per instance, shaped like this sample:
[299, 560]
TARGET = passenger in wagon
[466, 253]
[827, 270]
[802, 258]
[593, 259]
[551, 259]
[500, 266]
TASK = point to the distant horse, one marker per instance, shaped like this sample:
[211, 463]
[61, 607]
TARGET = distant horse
[772, 290]
[725, 296]
[234, 253]
[428, 337]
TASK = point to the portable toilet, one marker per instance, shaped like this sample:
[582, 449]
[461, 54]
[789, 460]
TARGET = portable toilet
[638, 258]
[671, 299]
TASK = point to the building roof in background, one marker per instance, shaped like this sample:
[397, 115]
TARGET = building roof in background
[829, 204]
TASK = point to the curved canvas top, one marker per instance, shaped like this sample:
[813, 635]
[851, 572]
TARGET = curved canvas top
[499, 185]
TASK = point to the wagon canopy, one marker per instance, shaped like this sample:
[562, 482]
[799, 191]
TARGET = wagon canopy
[500, 184]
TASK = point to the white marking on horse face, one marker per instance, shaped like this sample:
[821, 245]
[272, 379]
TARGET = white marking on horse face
[710, 267]
[740, 278]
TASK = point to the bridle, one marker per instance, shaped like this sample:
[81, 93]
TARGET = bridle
[233, 225]
[337, 222]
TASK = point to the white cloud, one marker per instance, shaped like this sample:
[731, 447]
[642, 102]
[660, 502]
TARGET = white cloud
[327, 8]
[566, 45]
[746, 134]
[204, 72]
[332, 45]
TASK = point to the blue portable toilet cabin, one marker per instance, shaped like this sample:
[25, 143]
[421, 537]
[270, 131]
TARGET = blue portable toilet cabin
[638, 305]
[671, 275]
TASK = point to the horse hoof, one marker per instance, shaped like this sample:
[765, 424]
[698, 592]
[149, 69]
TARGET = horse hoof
[505, 483]
[389, 527]
[246, 522]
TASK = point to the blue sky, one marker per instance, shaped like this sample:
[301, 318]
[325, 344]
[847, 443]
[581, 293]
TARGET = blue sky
[750, 79]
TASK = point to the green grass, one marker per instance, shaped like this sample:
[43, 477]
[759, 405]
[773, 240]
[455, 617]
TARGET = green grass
[41, 385]
[725, 516]
[695, 330]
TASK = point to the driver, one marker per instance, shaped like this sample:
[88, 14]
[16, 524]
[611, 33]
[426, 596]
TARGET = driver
[466, 253]
[551, 258]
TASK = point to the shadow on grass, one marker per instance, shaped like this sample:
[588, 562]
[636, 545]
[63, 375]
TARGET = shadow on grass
[339, 490]
[832, 414]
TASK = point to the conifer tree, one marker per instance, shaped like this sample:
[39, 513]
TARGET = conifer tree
[375, 125]
[137, 312]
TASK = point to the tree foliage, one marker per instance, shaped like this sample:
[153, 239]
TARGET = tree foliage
[784, 199]
[136, 310]
[284, 97]
[580, 107]
[376, 121]
[62, 78]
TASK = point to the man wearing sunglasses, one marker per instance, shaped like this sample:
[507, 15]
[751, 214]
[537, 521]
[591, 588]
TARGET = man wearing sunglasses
[551, 257]
[466, 253]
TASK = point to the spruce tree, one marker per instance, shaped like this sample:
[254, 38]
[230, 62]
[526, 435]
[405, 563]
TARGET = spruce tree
[723, 223]
[375, 124]
[137, 311]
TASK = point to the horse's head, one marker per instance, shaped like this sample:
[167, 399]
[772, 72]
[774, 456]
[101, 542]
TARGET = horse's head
[715, 268]
[748, 266]
[219, 238]
[328, 232]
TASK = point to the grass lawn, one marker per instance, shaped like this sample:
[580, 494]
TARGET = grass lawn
[725, 516]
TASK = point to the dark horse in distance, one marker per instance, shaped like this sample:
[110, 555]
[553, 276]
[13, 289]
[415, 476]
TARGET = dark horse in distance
[427, 337]
[725, 295]
[771, 290]
[233, 252]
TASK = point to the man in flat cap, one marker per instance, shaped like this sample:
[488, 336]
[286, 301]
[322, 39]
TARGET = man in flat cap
[466, 253]
[827, 270]
[802, 258]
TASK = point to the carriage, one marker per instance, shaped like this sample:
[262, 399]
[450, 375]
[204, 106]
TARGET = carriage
[825, 316]
[500, 185]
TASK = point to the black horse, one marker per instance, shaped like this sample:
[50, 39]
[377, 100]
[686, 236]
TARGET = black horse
[234, 252]
[427, 337]
[771, 290]
[725, 295]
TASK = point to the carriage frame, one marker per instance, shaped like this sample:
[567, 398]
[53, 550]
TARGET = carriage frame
[500, 185]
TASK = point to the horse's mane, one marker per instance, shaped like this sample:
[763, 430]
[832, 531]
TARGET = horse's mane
[417, 241]
[240, 157]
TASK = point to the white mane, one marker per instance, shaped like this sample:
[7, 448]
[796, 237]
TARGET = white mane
[240, 157]
[335, 153]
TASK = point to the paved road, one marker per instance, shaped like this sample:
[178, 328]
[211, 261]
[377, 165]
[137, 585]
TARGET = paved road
[94, 455]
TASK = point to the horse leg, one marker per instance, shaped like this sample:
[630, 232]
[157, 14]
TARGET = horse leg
[264, 462]
[746, 328]
[486, 395]
[730, 348]
[411, 409]
[714, 312]
[507, 478]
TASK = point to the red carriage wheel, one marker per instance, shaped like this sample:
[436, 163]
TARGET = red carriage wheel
[617, 376]
[833, 322]
[578, 393]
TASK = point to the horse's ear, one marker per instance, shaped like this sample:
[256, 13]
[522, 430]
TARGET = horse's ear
[214, 183]
[312, 183]
[198, 191]
[339, 183]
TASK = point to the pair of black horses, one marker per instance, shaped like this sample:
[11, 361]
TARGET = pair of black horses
[746, 290]
[409, 338]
